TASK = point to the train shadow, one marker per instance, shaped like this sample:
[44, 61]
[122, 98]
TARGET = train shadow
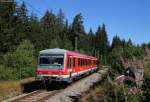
[31, 86]
[37, 85]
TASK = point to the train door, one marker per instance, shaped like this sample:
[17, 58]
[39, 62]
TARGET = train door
[77, 65]
[70, 60]
[74, 65]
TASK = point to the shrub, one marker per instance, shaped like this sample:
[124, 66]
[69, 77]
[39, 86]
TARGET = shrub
[146, 88]
[19, 62]
[115, 60]
[8, 73]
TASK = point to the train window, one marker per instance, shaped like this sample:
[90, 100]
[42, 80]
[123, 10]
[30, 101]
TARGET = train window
[79, 62]
[90, 62]
[74, 62]
[51, 60]
[82, 62]
[69, 62]
[86, 61]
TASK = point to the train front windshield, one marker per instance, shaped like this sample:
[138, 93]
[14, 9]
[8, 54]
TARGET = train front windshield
[55, 62]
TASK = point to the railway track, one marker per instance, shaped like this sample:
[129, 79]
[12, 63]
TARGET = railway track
[36, 96]
[41, 95]
[59, 91]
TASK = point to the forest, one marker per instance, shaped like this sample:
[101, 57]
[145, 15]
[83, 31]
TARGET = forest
[22, 36]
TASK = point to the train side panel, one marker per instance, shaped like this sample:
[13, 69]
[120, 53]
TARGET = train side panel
[80, 65]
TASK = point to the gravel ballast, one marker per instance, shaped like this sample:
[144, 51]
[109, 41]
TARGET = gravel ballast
[73, 92]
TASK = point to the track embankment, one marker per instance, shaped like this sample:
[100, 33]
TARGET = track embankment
[70, 93]
[74, 91]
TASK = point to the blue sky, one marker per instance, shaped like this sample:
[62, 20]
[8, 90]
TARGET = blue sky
[126, 18]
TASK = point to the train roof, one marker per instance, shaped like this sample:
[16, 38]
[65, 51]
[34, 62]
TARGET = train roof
[53, 51]
[62, 51]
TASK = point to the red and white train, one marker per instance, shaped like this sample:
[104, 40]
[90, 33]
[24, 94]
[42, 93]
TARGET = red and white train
[63, 65]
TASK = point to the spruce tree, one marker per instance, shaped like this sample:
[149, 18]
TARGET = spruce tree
[97, 38]
[36, 33]
[49, 30]
[60, 20]
[116, 42]
[102, 44]
[91, 42]
[77, 31]
[7, 23]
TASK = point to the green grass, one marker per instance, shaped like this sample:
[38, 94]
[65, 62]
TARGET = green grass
[12, 88]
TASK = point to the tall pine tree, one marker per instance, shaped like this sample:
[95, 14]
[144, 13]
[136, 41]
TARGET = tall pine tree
[102, 44]
[91, 42]
[48, 22]
[77, 31]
